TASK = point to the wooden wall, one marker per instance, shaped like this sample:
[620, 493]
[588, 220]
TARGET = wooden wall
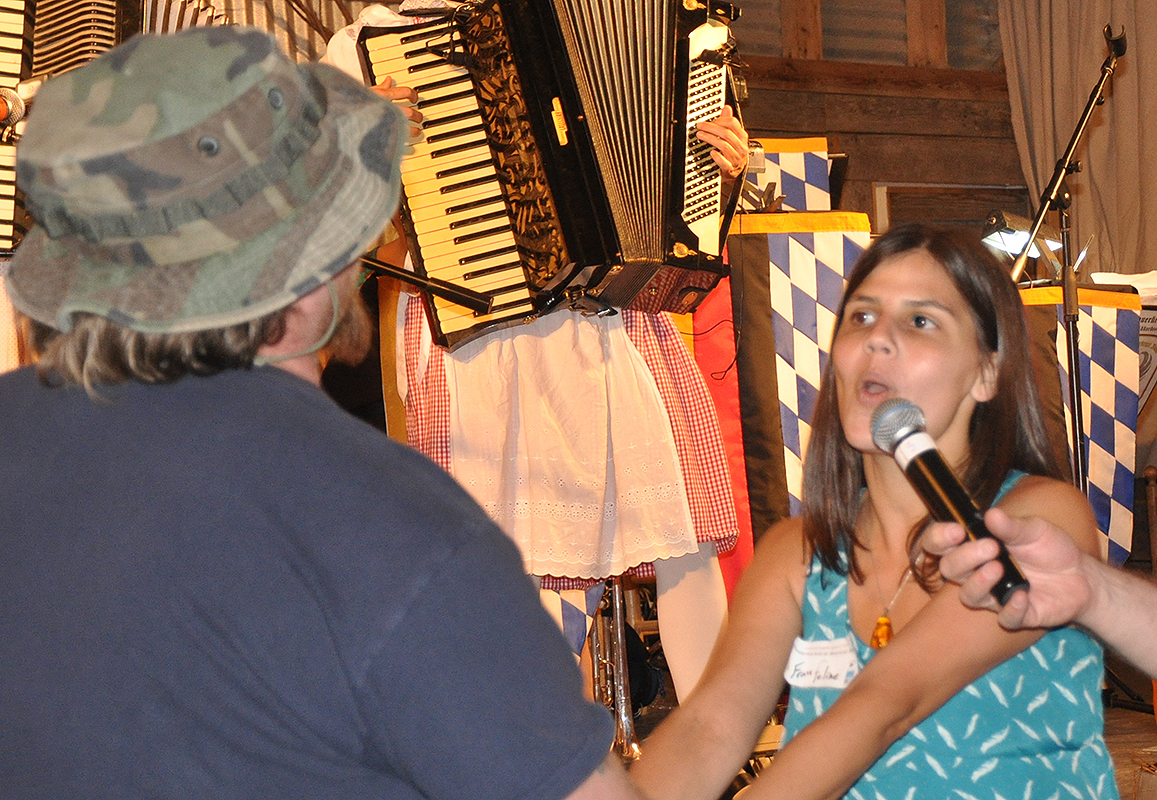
[924, 141]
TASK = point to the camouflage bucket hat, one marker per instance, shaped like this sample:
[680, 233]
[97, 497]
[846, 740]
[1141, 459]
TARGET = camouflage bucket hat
[198, 180]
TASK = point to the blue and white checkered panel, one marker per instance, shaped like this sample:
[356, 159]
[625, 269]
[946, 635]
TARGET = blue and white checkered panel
[1109, 342]
[802, 178]
[807, 280]
[573, 610]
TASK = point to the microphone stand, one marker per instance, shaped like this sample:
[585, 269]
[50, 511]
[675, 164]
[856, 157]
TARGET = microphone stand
[1066, 165]
[1056, 196]
[1071, 312]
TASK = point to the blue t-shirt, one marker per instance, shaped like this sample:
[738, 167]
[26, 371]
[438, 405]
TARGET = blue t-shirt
[1032, 727]
[229, 588]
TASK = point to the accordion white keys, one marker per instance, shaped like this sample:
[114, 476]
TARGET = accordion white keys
[15, 65]
[559, 165]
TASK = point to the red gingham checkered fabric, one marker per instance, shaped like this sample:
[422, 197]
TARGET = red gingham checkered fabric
[427, 399]
[684, 394]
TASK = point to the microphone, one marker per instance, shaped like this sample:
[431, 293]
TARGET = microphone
[12, 107]
[898, 428]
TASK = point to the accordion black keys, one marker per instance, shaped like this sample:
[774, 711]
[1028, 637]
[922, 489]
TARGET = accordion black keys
[15, 65]
[559, 165]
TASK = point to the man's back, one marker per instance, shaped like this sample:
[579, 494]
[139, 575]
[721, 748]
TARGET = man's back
[185, 615]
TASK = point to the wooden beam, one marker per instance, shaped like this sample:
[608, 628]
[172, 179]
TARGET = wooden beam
[990, 118]
[799, 113]
[801, 29]
[931, 159]
[927, 36]
[846, 77]
[811, 112]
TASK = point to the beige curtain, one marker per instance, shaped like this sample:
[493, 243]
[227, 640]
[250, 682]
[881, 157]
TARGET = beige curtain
[1053, 52]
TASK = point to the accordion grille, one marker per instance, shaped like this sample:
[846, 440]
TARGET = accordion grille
[69, 34]
[628, 78]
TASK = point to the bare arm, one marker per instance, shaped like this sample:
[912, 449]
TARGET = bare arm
[394, 250]
[942, 649]
[700, 748]
[1123, 613]
[1065, 585]
[608, 782]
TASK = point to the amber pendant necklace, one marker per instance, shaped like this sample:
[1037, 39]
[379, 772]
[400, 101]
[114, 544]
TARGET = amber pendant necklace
[882, 633]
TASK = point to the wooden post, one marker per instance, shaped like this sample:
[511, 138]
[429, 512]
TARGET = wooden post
[927, 35]
[802, 29]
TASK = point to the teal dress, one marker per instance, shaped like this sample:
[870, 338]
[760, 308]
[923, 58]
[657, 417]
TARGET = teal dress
[1032, 727]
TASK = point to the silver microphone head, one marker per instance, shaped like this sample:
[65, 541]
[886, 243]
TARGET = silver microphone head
[894, 419]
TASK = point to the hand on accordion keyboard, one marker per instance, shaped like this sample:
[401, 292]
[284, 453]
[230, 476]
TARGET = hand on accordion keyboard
[729, 138]
[406, 98]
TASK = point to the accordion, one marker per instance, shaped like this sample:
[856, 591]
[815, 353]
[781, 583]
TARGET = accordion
[559, 165]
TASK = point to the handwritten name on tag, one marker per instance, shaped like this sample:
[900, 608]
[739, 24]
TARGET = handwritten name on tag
[829, 664]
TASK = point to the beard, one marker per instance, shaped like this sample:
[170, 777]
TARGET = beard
[354, 335]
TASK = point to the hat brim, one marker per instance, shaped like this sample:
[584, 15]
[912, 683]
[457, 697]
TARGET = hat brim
[300, 252]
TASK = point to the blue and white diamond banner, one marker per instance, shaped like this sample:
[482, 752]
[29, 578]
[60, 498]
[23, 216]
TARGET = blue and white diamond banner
[1108, 342]
[573, 610]
[798, 169]
[810, 255]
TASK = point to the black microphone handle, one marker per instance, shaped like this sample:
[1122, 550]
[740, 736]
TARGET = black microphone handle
[947, 501]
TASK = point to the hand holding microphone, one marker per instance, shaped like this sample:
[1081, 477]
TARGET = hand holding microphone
[898, 428]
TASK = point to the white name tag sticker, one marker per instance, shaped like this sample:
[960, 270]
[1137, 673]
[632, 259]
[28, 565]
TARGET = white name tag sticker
[827, 664]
